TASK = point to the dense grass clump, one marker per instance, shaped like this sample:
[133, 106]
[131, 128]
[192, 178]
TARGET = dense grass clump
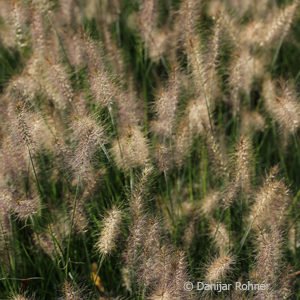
[149, 145]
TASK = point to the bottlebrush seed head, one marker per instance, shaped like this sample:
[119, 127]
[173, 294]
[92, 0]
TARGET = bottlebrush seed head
[269, 247]
[87, 136]
[270, 202]
[27, 207]
[243, 163]
[220, 235]
[280, 24]
[131, 150]
[110, 232]
[219, 268]
[283, 105]
[210, 202]
[70, 292]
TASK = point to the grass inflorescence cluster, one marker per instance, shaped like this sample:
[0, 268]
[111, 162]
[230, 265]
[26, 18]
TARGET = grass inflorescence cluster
[145, 144]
